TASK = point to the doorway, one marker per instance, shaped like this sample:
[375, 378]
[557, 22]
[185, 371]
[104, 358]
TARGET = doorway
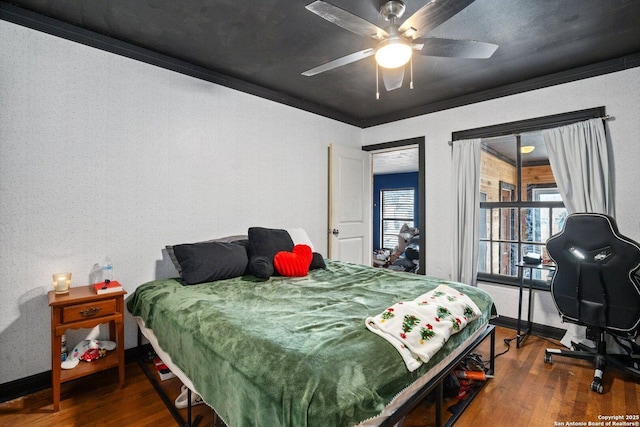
[408, 155]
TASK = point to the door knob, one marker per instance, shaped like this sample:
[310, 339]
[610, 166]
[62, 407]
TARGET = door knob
[335, 232]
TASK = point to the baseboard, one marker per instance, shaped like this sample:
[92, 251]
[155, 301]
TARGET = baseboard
[24, 386]
[536, 328]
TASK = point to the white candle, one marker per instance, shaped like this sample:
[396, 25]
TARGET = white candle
[61, 282]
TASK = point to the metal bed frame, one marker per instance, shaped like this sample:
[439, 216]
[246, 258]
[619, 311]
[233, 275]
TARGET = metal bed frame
[436, 383]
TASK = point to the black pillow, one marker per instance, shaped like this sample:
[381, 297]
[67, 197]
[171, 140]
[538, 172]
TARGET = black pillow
[261, 267]
[245, 244]
[267, 242]
[317, 261]
[210, 261]
[227, 239]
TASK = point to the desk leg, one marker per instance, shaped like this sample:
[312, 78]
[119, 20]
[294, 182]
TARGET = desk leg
[518, 337]
[530, 308]
[492, 361]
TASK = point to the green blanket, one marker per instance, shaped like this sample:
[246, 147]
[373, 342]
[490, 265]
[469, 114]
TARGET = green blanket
[291, 351]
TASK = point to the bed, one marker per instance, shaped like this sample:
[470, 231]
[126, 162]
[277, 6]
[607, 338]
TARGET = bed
[294, 351]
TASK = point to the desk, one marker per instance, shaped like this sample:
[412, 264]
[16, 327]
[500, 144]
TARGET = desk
[522, 267]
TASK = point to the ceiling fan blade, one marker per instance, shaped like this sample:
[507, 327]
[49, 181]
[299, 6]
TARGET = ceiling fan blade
[430, 16]
[392, 78]
[450, 48]
[347, 20]
[348, 59]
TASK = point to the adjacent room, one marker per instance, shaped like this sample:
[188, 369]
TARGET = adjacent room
[228, 213]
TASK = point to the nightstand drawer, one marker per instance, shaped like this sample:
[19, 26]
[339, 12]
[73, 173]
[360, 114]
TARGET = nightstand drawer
[88, 310]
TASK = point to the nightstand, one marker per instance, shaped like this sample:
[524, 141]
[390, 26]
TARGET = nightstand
[83, 308]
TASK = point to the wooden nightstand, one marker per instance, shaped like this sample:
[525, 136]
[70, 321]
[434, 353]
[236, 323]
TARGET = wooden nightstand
[83, 308]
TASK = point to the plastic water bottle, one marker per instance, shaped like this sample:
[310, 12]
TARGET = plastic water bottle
[63, 350]
[107, 270]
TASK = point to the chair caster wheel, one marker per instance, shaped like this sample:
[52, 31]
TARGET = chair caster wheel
[597, 387]
[548, 359]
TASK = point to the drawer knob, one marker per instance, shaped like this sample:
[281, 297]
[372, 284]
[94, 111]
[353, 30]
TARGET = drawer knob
[91, 311]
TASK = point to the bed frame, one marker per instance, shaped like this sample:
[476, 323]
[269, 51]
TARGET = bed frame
[436, 383]
[143, 357]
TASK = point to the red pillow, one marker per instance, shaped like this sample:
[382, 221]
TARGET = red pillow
[293, 264]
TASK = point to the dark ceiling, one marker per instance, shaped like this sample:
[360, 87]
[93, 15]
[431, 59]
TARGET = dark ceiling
[263, 46]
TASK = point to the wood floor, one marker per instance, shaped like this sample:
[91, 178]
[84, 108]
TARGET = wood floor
[524, 392]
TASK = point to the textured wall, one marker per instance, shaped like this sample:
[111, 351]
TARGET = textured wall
[618, 92]
[102, 156]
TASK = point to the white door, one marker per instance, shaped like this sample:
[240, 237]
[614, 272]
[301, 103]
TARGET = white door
[349, 205]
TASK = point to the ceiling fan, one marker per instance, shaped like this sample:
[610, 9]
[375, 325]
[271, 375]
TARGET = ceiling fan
[397, 42]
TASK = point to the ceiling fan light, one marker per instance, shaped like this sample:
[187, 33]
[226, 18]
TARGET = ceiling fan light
[526, 149]
[393, 54]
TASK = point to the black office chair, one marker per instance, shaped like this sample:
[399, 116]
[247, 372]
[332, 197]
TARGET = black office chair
[596, 285]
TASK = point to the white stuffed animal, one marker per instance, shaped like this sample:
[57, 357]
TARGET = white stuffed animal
[82, 348]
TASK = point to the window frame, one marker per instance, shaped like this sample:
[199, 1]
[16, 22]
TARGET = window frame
[516, 128]
[513, 280]
[403, 219]
[513, 238]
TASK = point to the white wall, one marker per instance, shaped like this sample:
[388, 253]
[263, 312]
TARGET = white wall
[618, 92]
[101, 156]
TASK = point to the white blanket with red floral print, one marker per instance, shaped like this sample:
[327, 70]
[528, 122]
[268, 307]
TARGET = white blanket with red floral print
[419, 328]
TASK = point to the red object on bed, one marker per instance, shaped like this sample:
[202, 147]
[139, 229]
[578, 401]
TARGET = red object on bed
[295, 263]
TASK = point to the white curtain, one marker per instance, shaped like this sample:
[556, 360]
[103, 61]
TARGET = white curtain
[580, 163]
[465, 191]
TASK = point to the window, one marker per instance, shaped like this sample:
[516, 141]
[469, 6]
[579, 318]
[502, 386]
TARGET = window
[515, 165]
[397, 209]
[520, 205]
